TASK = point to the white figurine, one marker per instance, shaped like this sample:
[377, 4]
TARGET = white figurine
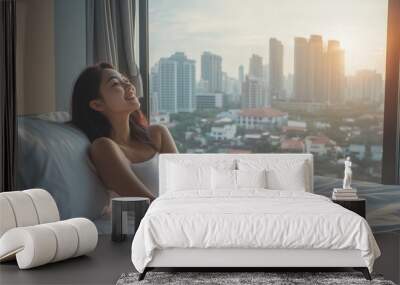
[347, 174]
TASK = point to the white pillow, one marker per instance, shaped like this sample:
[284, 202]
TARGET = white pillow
[188, 177]
[229, 179]
[223, 179]
[282, 174]
[251, 178]
[291, 178]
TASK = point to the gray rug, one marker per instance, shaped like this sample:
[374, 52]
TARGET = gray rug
[229, 278]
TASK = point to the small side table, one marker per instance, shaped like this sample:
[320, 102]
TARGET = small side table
[357, 206]
[120, 207]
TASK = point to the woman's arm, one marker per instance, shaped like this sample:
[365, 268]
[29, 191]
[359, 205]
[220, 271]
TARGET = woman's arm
[163, 139]
[114, 171]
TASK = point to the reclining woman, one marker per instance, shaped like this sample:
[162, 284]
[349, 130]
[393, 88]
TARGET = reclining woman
[124, 147]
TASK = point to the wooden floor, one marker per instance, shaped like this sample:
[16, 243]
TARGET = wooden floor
[110, 259]
[102, 266]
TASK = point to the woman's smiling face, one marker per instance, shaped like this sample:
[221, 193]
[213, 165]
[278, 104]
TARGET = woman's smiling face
[117, 94]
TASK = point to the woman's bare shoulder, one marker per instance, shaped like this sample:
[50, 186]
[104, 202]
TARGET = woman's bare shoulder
[156, 134]
[103, 146]
[158, 129]
[163, 137]
[102, 142]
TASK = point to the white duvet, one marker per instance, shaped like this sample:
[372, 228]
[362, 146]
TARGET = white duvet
[252, 218]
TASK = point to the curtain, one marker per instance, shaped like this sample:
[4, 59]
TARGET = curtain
[7, 95]
[110, 28]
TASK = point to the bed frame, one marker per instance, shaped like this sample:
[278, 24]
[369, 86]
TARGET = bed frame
[240, 259]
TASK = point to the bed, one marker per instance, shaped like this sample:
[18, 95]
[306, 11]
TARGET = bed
[257, 210]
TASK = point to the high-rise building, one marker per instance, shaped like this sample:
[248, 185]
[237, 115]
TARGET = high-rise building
[315, 72]
[256, 66]
[253, 93]
[276, 69]
[224, 82]
[186, 78]
[154, 88]
[211, 70]
[168, 94]
[289, 85]
[335, 79]
[177, 76]
[241, 74]
[266, 75]
[300, 70]
[230, 85]
[206, 101]
[202, 86]
[365, 86]
[318, 75]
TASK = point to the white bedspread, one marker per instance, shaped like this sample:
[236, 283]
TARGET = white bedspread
[251, 218]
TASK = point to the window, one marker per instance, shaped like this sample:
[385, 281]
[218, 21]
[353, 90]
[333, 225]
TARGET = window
[272, 76]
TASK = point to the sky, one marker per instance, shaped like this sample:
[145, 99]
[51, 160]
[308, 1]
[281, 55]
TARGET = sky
[235, 29]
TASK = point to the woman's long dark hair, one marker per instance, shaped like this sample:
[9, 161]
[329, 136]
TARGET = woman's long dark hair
[93, 123]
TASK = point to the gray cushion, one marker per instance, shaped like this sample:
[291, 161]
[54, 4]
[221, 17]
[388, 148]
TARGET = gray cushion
[53, 155]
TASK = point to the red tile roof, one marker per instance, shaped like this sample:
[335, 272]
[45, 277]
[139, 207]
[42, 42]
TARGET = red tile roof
[235, 150]
[292, 144]
[319, 140]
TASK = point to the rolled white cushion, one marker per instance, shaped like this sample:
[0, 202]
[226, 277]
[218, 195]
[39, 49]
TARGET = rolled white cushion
[33, 246]
[87, 233]
[46, 207]
[67, 240]
[23, 208]
[26, 208]
[7, 219]
[41, 244]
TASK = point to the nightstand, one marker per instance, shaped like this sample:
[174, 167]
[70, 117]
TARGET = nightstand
[120, 208]
[357, 206]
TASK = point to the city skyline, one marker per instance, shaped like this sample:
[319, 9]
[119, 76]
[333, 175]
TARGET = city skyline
[224, 30]
[259, 70]
[319, 78]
